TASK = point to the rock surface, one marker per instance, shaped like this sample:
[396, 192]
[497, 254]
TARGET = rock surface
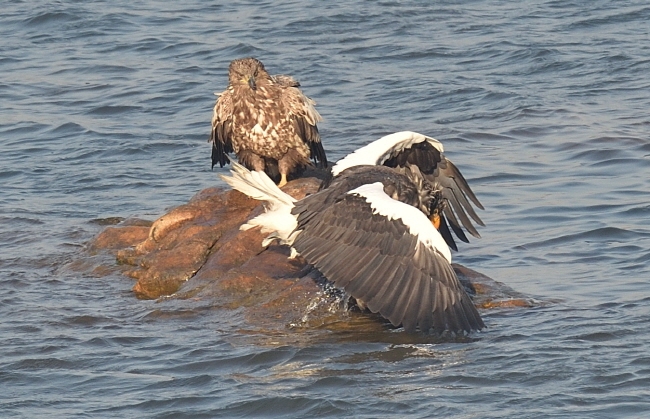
[197, 251]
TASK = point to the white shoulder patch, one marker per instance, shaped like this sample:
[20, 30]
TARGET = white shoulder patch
[418, 224]
[377, 152]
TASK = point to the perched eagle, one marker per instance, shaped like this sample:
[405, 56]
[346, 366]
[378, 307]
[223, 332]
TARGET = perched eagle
[266, 121]
[368, 231]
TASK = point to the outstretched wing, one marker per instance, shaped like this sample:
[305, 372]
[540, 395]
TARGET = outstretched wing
[304, 116]
[410, 148]
[221, 136]
[387, 262]
[444, 175]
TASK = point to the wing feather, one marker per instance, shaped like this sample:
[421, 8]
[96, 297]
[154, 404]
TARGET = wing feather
[408, 148]
[402, 298]
[221, 135]
[442, 174]
[377, 260]
[304, 115]
[425, 311]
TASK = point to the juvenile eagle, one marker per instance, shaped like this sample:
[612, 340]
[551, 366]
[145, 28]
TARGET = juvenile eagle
[266, 121]
[368, 231]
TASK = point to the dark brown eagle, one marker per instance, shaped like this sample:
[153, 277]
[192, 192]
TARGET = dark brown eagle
[368, 230]
[267, 122]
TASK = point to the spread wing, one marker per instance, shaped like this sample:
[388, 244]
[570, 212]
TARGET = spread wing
[440, 171]
[304, 116]
[221, 136]
[377, 259]
[410, 148]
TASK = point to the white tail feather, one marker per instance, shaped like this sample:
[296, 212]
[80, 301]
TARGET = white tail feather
[277, 218]
[257, 185]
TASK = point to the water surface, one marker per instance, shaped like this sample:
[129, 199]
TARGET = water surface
[543, 105]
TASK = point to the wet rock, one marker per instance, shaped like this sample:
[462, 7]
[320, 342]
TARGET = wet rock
[197, 251]
[120, 237]
[487, 293]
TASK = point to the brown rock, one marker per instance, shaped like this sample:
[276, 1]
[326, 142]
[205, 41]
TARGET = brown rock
[178, 243]
[487, 293]
[198, 251]
[115, 238]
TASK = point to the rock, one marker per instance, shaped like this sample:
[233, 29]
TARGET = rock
[487, 293]
[197, 251]
[116, 238]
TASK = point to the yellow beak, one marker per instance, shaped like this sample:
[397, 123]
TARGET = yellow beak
[435, 220]
[250, 81]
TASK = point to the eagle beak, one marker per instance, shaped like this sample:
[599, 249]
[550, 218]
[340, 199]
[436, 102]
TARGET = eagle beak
[251, 82]
[435, 220]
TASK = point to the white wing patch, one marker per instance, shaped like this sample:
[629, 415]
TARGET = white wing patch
[377, 152]
[417, 223]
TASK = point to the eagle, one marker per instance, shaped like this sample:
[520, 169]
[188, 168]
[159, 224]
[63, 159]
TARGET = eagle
[267, 122]
[406, 149]
[369, 230]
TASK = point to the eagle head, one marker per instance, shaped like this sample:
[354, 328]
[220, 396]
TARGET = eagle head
[246, 72]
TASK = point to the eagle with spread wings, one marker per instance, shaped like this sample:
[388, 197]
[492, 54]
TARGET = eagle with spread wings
[267, 122]
[379, 229]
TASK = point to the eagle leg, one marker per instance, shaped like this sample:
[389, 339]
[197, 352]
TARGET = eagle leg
[292, 162]
[283, 180]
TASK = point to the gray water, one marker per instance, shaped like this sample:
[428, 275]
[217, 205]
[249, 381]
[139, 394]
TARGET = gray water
[105, 111]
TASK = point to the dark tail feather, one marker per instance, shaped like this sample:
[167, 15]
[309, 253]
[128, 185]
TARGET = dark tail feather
[218, 155]
[220, 149]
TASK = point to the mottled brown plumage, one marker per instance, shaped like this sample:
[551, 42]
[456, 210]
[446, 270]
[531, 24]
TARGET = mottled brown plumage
[266, 121]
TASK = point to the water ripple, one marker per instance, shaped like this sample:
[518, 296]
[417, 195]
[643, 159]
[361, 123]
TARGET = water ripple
[105, 115]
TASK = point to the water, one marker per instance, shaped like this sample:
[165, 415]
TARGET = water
[105, 110]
